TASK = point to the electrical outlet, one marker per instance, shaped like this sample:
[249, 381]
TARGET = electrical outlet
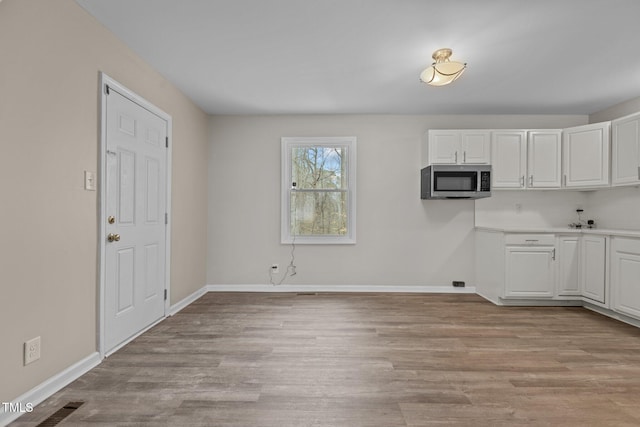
[32, 350]
[275, 268]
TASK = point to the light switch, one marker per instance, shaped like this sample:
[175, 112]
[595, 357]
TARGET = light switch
[89, 181]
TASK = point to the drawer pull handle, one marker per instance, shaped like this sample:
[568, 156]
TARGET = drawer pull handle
[531, 240]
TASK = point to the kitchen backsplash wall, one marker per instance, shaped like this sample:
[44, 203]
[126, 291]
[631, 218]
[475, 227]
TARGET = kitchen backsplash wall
[529, 209]
[615, 208]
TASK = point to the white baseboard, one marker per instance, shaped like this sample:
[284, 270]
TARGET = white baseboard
[343, 288]
[188, 300]
[46, 389]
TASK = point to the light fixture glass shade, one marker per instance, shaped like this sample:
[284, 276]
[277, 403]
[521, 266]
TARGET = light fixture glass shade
[442, 72]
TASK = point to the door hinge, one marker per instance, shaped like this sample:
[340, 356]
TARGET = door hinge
[167, 141]
[106, 89]
[166, 218]
[165, 294]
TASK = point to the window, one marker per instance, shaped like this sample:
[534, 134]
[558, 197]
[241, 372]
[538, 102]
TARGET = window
[318, 190]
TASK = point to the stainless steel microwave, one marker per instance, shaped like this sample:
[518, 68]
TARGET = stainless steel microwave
[455, 182]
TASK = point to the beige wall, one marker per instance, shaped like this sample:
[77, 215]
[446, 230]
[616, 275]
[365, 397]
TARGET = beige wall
[401, 240]
[51, 53]
[616, 111]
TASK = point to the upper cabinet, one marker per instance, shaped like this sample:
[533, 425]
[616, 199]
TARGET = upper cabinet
[625, 151]
[582, 157]
[544, 155]
[585, 152]
[458, 147]
[508, 158]
[526, 159]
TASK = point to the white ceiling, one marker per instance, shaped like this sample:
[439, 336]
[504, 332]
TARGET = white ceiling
[365, 56]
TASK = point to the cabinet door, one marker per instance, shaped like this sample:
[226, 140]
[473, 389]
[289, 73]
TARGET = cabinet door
[444, 147]
[529, 272]
[476, 147]
[586, 155]
[625, 276]
[593, 267]
[544, 151]
[625, 150]
[569, 266]
[508, 159]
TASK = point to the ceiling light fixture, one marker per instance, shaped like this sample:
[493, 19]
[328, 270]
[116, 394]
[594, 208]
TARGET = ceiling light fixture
[443, 71]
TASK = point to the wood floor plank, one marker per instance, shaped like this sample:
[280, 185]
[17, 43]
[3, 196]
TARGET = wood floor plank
[363, 360]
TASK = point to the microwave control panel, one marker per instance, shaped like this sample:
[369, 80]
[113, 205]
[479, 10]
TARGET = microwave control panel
[485, 181]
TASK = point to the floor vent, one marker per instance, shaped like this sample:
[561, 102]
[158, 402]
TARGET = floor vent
[60, 414]
[306, 293]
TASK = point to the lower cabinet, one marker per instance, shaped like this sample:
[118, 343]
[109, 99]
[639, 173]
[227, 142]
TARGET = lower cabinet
[593, 267]
[529, 266]
[569, 266]
[601, 270]
[582, 267]
[625, 276]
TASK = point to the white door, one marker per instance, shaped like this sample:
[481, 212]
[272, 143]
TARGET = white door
[135, 229]
[476, 147]
[586, 155]
[594, 267]
[529, 272]
[443, 147]
[569, 266]
[625, 150]
[543, 159]
[508, 159]
[625, 276]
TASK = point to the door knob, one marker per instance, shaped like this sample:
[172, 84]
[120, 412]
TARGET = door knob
[113, 237]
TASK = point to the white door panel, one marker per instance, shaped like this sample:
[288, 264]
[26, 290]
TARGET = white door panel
[136, 188]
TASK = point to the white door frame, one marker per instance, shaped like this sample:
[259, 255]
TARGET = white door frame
[106, 81]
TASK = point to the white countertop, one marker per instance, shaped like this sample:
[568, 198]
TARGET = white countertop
[563, 230]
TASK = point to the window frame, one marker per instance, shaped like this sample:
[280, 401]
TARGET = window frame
[287, 144]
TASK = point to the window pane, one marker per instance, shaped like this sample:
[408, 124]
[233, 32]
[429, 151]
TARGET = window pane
[318, 213]
[315, 167]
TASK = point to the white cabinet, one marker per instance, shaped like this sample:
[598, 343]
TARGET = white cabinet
[530, 266]
[569, 266]
[508, 158]
[526, 159]
[593, 267]
[544, 159]
[625, 275]
[585, 153]
[582, 267]
[625, 150]
[450, 147]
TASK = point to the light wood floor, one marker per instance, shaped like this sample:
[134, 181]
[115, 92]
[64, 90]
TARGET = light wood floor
[383, 360]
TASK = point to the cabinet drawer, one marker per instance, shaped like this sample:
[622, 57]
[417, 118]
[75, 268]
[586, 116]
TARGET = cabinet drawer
[530, 239]
[627, 244]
